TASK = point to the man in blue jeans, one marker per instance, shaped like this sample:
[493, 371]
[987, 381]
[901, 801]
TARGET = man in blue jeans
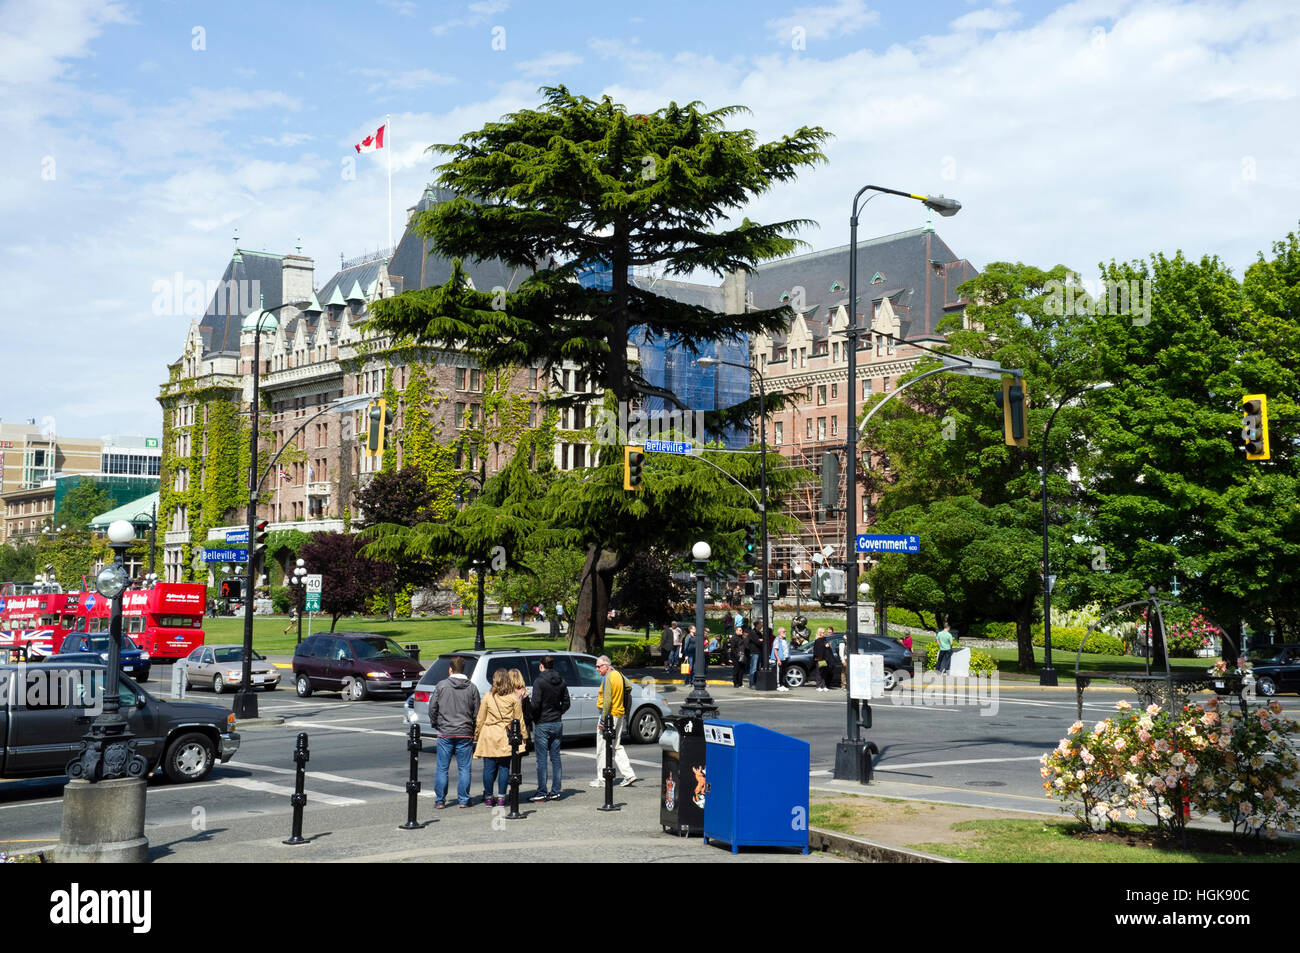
[453, 707]
[550, 702]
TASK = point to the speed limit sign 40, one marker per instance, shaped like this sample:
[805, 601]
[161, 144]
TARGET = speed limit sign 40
[313, 585]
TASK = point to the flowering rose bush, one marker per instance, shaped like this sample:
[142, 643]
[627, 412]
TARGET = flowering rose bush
[1166, 764]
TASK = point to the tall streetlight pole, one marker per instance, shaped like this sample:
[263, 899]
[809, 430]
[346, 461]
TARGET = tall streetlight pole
[478, 566]
[766, 678]
[299, 582]
[699, 703]
[850, 754]
[1047, 676]
[263, 319]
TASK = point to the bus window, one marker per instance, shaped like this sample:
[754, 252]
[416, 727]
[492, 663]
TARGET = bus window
[135, 624]
[49, 621]
[68, 621]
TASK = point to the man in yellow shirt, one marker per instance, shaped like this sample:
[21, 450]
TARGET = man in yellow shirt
[612, 699]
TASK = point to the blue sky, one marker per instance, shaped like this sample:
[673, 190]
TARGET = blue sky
[143, 134]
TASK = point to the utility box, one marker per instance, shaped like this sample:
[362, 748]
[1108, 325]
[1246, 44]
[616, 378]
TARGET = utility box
[681, 785]
[757, 787]
[959, 663]
[178, 678]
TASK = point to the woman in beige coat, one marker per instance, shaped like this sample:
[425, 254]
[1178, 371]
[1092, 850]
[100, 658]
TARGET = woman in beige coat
[491, 741]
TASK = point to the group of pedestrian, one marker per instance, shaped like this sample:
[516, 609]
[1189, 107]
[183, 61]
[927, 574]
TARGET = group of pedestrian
[468, 727]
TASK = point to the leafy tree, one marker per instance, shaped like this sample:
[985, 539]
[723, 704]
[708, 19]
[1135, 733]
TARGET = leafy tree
[577, 182]
[401, 497]
[83, 503]
[17, 563]
[644, 591]
[543, 577]
[349, 579]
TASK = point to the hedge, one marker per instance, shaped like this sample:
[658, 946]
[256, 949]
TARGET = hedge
[1068, 638]
[980, 663]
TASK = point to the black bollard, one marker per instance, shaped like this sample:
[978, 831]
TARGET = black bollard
[413, 784]
[516, 738]
[299, 797]
[608, 773]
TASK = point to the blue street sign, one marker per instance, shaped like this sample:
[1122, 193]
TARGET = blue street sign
[224, 555]
[888, 544]
[237, 536]
[667, 446]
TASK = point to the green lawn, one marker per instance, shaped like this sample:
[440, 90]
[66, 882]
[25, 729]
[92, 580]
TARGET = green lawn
[432, 635]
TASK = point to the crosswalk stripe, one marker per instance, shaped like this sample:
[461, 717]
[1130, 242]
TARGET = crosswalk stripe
[265, 786]
[325, 776]
[333, 727]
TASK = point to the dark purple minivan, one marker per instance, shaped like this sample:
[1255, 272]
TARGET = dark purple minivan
[358, 664]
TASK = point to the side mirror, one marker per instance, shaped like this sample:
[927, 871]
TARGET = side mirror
[140, 701]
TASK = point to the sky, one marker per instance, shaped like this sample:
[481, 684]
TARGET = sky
[144, 136]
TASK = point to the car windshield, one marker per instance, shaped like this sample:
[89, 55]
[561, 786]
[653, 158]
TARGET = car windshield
[235, 653]
[1270, 654]
[381, 649]
[100, 643]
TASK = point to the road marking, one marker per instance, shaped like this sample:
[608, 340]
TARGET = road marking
[337, 778]
[888, 766]
[338, 721]
[592, 756]
[333, 727]
[250, 785]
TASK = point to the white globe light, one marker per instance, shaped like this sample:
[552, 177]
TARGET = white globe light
[120, 531]
[701, 551]
[301, 563]
[111, 581]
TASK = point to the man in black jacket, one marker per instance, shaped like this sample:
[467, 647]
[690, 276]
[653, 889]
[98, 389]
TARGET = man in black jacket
[550, 702]
[736, 650]
[754, 649]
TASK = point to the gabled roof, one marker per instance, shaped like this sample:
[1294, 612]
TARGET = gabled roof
[254, 273]
[419, 269]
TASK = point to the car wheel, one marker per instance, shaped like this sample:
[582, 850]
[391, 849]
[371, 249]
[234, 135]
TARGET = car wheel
[304, 686]
[646, 726]
[218, 685]
[1265, 686]
[272, 687]
[794, 676]
[143, 676]
[354, 689]
[189, 758]
[891, 680]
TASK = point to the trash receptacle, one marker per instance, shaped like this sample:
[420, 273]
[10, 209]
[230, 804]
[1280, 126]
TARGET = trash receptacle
[757, 791]
[681, 812]
[413, 651]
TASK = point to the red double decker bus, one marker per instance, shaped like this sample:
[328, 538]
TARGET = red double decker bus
[166, 621]
[36, 621]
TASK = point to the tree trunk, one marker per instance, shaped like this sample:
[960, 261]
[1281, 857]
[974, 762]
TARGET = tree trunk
[1025, 637]
[587, 628]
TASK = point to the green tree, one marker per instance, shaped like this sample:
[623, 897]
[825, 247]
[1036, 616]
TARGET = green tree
[83, 503]
[577, 182]
[401, 497]
[17, 563]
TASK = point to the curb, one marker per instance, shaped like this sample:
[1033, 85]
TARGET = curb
[868, 851]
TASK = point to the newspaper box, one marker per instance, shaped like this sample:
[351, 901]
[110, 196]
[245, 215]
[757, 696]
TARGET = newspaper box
[757, 791]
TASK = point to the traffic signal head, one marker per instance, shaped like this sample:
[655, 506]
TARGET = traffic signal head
[751, 545]
[1254, 426]
[381, 418]
[830, 480]
[1011, 399]
[257, 545]
[633, 458]
[231, 588]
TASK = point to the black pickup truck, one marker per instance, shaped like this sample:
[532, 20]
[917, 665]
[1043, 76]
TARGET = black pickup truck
[46, 709]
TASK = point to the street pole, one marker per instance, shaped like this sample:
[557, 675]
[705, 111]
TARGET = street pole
[766, 680]
[699, 704]
[480, 644]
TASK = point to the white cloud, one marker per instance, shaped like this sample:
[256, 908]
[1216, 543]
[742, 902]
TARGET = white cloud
[39, 36]
[477, 14]
[821, 23]
[988, 19]
[404, 81]
[549, 64]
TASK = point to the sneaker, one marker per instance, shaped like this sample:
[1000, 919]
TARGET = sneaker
[554, 796]
[628, 782]
[466, 804]
[782, 688]
[598, 783]
[439, 805]
[539, 796]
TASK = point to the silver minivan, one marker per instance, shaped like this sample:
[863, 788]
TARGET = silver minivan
[579, 673]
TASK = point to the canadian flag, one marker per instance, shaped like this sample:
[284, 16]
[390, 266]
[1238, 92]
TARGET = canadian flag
[371, 143]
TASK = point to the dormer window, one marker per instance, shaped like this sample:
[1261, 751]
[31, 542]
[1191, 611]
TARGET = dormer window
[836, 286]
[877, 279]
[785, 297]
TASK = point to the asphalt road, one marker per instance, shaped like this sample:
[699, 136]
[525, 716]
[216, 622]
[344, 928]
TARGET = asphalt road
[982, 752]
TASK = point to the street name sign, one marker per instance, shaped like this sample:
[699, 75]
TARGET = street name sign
[867, 543]
[667, 446]
[237, 536]
[224, 555]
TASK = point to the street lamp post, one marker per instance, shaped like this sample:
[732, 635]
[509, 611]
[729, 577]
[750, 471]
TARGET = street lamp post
[299, 582]
[850, 754]
[463, 496]
[766, 676]
[699, 704]
[245, 703]
[1047, 676]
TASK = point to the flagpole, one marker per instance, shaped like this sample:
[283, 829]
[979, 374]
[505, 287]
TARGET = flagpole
[388, 147]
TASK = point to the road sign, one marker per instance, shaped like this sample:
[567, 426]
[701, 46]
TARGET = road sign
[224, 555]
[237, 536]
[667, 446]
[314, 587]
[867, 543]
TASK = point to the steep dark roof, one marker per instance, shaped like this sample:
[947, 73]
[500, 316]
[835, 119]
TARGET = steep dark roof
[257, 272]
[365, 273]
[686, 292]
[418, 269]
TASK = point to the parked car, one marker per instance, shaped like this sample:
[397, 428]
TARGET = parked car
[358, 664]
[46, 710]
[222, 666]
[133, 660]
[798, 669]
[1276, 668]
[579, 672]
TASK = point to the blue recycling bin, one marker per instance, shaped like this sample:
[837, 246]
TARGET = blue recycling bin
[757, 792]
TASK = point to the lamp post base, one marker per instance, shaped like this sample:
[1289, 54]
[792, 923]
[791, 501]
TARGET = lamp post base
[1047, 676]
[103, 823]
[765, 681]
[853, 761]
[245, 705]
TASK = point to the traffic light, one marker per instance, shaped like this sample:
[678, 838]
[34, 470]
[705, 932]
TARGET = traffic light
[257, 545]
[633, 458]
[751, 544]
[828, 585]
[381, 418]
[231, 588]
[1012, 401]
[1254, 426]
[830, 480]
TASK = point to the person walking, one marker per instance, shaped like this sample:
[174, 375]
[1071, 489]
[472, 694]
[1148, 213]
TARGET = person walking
[667, 649]
[822, 660]
[452, 707]
[491, 736]
[844, 664]
[907, 641]
[293, 620]
[688, 656]
[612, 700]
[780, 652]
[754, 651]
[945, 650]
[736, 652]
[677, 646]
[693, 636]
[550, 702]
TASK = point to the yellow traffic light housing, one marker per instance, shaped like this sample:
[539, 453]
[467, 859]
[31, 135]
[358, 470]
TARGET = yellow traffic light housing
[1012, 401]
[1254, 426]
[633, 458]
[380, 420]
